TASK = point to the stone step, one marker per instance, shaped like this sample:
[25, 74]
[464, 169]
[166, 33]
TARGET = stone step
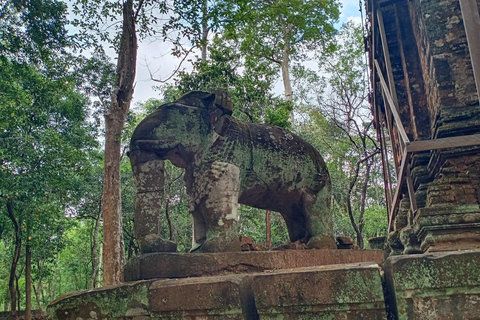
[347, 291]
[180, 265]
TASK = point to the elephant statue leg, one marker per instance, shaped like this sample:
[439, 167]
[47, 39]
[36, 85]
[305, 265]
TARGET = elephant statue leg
[199, 234]
[319, 220]
[215, 210]
[149, 172]
[296, 224]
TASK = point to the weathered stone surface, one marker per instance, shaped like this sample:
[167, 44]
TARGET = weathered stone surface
[181, 265]
[435, 286]
[329, 292]
[111, 302]
[344, 242]
[205, 298]
[448, 228]
[227, 162]
[349, 291]
[377, 243]
[247, 244]
[200, 298]
[429, 59]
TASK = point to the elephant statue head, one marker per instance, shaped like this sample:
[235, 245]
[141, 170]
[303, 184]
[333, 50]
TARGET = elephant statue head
[227, 162]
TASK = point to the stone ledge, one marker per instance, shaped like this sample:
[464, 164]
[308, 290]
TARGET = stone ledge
[181, 265]
[204, 297]
[352, 291]
[349, 291]
[434, 286]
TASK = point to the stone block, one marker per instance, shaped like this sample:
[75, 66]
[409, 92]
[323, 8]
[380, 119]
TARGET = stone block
[124, 301]
[448, 228]
[203, 298]
[352, 291]
[434, 286]
[181, 265]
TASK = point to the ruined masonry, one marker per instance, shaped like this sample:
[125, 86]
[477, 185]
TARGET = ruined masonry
[425, 71]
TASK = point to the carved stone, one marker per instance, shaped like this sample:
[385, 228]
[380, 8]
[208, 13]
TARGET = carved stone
[227, 162]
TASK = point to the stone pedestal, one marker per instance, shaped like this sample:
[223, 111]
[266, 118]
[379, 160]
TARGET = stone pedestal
[350, 291]
[180, 265]
[436, 286]
[254, 285]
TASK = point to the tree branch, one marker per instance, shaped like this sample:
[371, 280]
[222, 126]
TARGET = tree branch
[138, 10]
[175, 71]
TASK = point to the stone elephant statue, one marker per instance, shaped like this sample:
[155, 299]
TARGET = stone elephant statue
[227, 162]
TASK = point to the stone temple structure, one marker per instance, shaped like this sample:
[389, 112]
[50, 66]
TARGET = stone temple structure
[425, 63]
[425, 74]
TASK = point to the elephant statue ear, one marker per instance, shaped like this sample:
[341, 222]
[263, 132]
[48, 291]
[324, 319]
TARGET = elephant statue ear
[223, 100]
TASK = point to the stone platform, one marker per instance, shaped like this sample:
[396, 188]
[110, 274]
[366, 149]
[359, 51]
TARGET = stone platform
[287, 285]
[181, 265]
[434, 286]
[348, 291]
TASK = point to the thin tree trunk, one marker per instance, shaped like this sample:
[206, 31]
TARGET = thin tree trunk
[15, 259]
[268, 224]
[51, 285]
[169, 219]
[286, 77]
[17, 289]
[100, 267]
[114, 253]
[363, 196]
[95, 250]
[37, 296]
[204, 40]
[39, 290]
[285, 68]
[28, 282]
[358, 232]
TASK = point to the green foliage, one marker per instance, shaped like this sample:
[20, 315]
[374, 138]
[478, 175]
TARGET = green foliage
[250, 84]
[252, 224]
[33, 31]
[268, 29]
[194, 20]
[342, 131]
[99, 22]
[45, 138]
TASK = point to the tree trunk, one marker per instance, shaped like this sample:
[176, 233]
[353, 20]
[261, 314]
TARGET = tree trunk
[285, 63]
[204, 39]
[15, 259]
[28, 282]
[113, 251]
[17, 289]
[350, 209]
[95, 251]
[286, 77]
[37, 296]
[39, 289]
[169, 219]
[363, 196]
[268, 225]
